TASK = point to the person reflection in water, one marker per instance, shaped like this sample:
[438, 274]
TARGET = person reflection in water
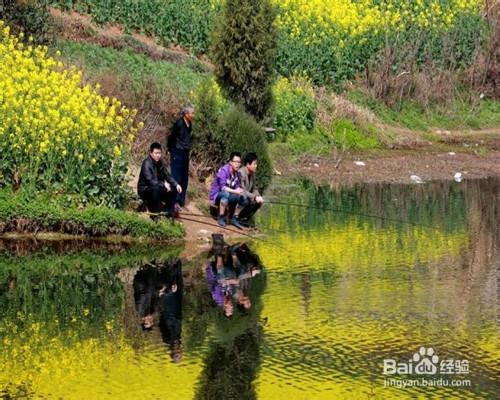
[170, 295]
[228, 276]
[145, 294]
[158, 288]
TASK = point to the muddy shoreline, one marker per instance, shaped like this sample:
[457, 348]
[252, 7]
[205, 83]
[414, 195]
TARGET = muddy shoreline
[393, 166]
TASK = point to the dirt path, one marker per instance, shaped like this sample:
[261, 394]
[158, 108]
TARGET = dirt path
[199, 231]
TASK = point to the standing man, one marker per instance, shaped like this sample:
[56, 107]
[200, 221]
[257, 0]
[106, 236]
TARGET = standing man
[179, 145]
[226, 190]
[248, 183]
[155, 185]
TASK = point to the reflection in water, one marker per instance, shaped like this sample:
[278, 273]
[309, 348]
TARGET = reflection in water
[233, 359]
[340, 294]
[372, 289]
[158, 288]
[229, 275]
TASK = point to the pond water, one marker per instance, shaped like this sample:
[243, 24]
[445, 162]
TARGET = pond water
[359, 286]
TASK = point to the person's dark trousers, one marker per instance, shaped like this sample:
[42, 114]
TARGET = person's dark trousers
[155, 196]
[179, 167]
[249, 211]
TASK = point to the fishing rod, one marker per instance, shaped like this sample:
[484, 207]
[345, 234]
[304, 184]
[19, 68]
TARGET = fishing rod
[231, 230]
[246, 225]
[280, 203]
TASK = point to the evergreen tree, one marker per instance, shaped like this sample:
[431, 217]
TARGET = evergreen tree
[244, 45]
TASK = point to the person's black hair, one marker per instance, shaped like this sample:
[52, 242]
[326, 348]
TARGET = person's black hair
[234, 154]
[250, 158]
[154, 146]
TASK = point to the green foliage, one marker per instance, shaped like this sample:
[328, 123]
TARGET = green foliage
[349, 136]
[295, 106]
[245, 135]
[52, 286]
[462, 113]
[243, 51]
[24, 212]
[208, 146]
[29, 16]
[132, 73]
[183, 22]
[344, 135]
[324, 49]
[309, 143]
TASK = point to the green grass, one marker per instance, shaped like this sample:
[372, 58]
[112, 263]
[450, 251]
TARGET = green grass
[460, 115]
[21, 212]
[344, 135]
[132, 71]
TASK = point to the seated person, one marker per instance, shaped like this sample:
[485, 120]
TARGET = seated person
[156, 185]
[255, 200]
[226, 190]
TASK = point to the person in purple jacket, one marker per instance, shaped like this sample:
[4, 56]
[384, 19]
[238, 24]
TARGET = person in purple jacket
[226, 190]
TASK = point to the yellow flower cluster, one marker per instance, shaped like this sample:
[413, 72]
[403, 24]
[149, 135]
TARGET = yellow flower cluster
[316, 19]
[49, 119]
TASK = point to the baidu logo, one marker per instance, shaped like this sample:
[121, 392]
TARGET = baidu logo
[425, 362]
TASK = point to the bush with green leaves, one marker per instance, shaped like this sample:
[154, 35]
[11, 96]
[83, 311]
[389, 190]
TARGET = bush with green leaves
[208, 146]
[245, 135]
[29, 16]
[243, 51]
[295, 106]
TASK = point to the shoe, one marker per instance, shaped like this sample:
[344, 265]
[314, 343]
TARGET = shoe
[221, 221]
[247, 222]
[236, 222]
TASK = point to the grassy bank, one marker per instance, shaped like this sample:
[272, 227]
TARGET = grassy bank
[23, 213]
[462, 113]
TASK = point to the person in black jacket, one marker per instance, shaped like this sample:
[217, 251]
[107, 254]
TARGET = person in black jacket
[156, 185]
[179, 145]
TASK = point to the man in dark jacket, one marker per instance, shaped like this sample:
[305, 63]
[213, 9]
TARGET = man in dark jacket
[179, 145]
[155, 185]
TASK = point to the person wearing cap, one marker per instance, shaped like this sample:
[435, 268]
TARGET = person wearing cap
[226, 191]
[179, 145]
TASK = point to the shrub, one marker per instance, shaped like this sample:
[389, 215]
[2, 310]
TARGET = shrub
[56, 135]
[208, 146]
[29, 16]
[245, 135]
[243, 51]
[295, 106]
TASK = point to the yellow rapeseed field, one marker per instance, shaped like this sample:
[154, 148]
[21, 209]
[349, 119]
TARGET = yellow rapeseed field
[342, 18]
[54, 130]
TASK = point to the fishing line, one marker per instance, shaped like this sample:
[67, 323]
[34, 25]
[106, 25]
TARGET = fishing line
[280, 203]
